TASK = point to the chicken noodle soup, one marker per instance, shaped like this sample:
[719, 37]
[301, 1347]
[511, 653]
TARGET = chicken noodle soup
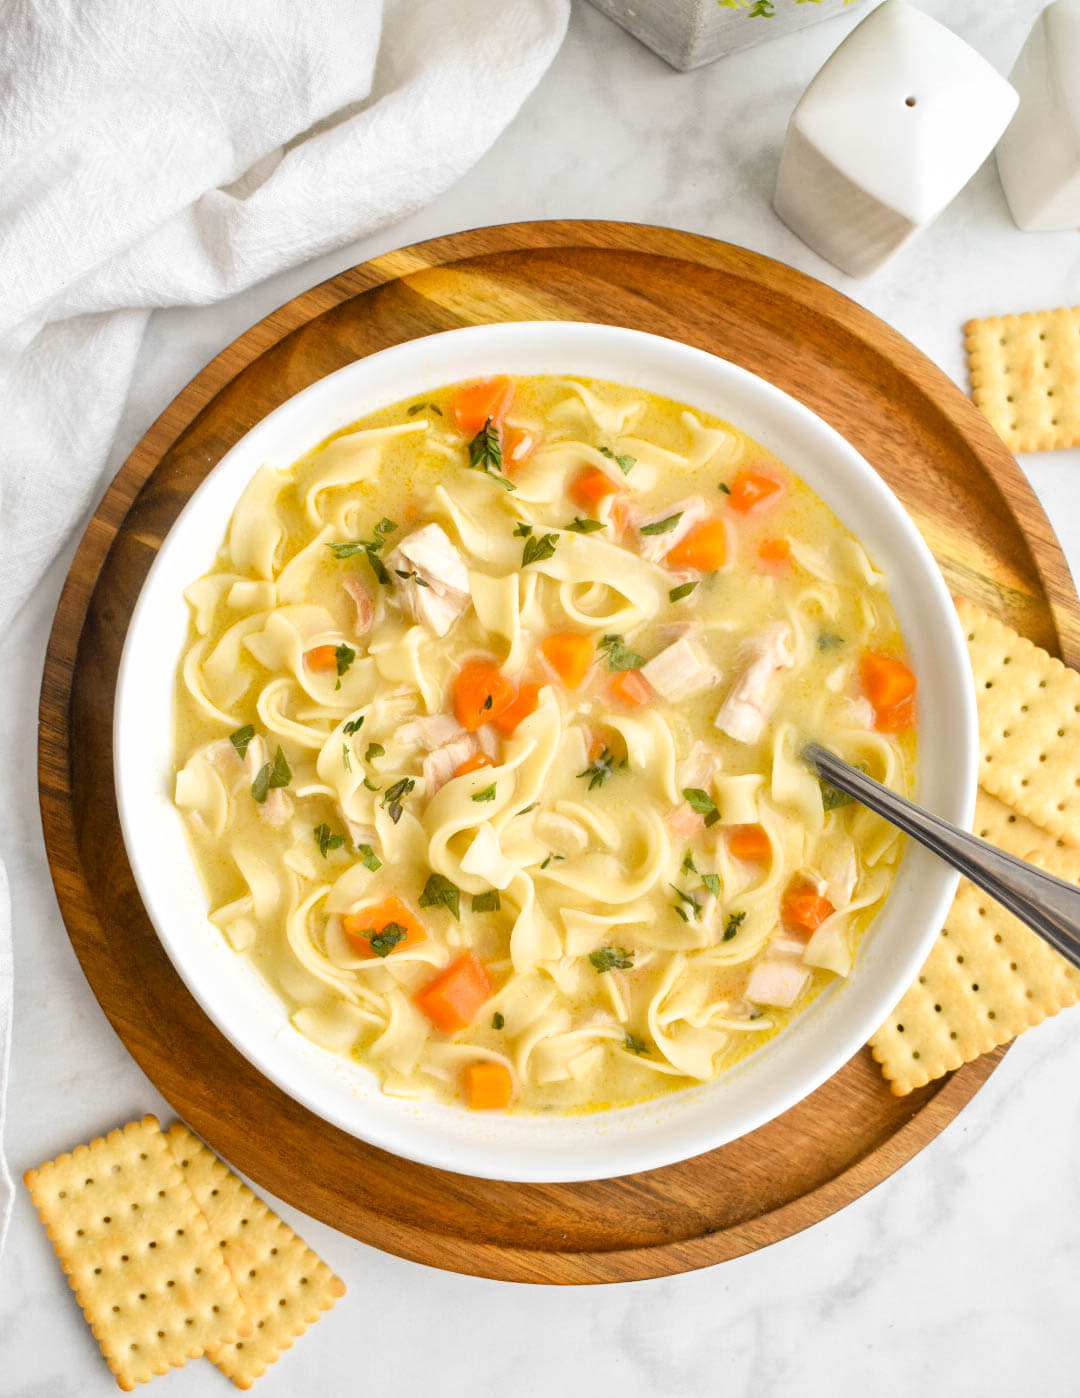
[488, 742]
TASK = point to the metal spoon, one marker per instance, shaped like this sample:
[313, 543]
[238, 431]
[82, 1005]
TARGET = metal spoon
[1049, 906]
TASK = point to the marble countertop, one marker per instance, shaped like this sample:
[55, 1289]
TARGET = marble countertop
[957, 1275]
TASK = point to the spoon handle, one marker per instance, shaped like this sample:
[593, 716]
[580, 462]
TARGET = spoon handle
[1048, 905]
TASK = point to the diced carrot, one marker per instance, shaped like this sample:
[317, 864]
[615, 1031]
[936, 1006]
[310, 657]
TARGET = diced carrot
[476, 403]
[886, 680]
[488, 1086]
[704, 548]
[473, 764]
[452, 999]
[631, 688]
[481, 693]
[590, 486]
[569, 655]
[597, 747]
[897, 718]
[774, 553]
[361, 926]
[751, 489]
[518, 445]
[321, 658]
[803, 908]
[519, 708]
[749, 842]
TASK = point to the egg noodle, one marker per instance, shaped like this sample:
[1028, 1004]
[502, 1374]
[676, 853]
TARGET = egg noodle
[488, 734]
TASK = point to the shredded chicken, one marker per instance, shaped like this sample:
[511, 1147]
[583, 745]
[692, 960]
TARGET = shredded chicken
[441, 764]
[749, 706]
[679, 671]
[277, 809]
[435, 585]
[777, 981]
[365, 608]
[430, 732]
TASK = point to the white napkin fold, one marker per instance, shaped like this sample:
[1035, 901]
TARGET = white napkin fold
[177, 152]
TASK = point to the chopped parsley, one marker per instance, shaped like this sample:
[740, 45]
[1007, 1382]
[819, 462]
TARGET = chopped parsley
[241, 738]
[829, 640]
[537, 548]
[701, 802]
[599, 771]
[439, 892]
[370, 784]
[611, 959]
[550, 857]
[734, 922]
[383, 943]
[712, 883]
[832, 797]
[633, 1044]
[523, 530]
[325, 840]
[368, 858]
[385, 526]
[688, 865]
[393, 795]
[415, 408]
[346, 760]
[683, 590]
[497, 1020]
[725, 488]
[488, 902]
[488, 793]
[625, 462]
[354, 726]
[344, 656]
[662, 526]
[619, 655]
[374, 750]
[370, 549]
[271, 776]
[584, 526]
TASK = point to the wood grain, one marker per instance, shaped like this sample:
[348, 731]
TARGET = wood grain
[966, 493]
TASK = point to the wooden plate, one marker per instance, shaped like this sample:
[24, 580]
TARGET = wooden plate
[957, 480]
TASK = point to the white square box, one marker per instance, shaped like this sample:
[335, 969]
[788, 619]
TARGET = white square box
[1039, 156]
[888, 132]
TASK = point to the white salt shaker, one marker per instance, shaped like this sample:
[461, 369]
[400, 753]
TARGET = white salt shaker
[1039, 156]
[891, 128]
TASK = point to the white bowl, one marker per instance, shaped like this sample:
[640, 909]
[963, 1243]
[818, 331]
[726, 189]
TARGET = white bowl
[545, 1147]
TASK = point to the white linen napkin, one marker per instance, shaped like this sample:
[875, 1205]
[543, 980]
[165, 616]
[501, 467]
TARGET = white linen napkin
[177, 152]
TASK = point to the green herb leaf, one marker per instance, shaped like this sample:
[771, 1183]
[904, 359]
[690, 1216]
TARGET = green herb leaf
[488, 902]
[611, 959]
[584, 526]
[488, 793]
[523, 530]
[701, 802]
[344, 655]
[734, 922]
[325, 840]
[662, 526]
[374, 750]
[354, 726]
[485, 449]
[684, 897]
[378, 567]
[829, 640]
[497, 1020]
[548, 860]
[383, 943]
[393, 795]
[619, 655]
[345, 759]
[415, 408]
[385, 526]
[538, 548]
[688, 865]
[368, 858]
[712, 883]
[241, 738]
[633, 1044]
[725, 488]
[599, 771]
[261, 785]
[680, 912]
[271, 776]
[683, 590]
[439, 892]
[347, 550]
[832, 797]
[370, 784]
[624, 463]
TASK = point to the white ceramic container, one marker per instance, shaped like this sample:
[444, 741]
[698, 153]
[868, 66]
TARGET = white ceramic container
[544, 1146]
[888, 132]
[1039, 156]
[688, 33]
